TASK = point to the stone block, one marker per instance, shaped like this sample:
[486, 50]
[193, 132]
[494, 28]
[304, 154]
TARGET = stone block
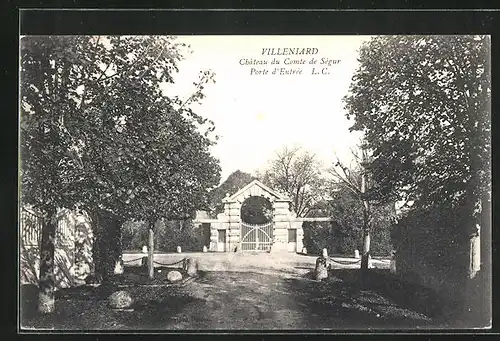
[120, 300]
[174, 276]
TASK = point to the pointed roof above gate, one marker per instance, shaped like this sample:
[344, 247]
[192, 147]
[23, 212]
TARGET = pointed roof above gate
[256, 189]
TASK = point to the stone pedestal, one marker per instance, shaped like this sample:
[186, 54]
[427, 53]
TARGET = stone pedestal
[191, 267]
[321, 270]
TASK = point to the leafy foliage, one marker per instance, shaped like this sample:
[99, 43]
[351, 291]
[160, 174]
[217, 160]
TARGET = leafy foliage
[298, 174]
[432, 239]
[345, 234]
[256, 210]
[319, 235]
[423, 103]
[168, 235]
[93, 116]
[97, 132]
[363, 218]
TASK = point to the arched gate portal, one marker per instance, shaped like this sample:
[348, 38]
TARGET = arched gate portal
[228, 233]
[271, 236]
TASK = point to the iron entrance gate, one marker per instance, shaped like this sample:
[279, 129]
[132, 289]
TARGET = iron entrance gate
[256, 237]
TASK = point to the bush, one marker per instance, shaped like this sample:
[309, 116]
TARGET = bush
[168, 235]
[319, 235]
[134, 235]
[433, 239]
[179, 233]
[344, 240]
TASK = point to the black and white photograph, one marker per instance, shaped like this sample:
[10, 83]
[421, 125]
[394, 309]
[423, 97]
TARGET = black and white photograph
[254, 182]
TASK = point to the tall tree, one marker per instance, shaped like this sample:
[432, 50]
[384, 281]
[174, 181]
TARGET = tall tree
[423, 103]
[96, 132]
[357, 181]
[298, 174]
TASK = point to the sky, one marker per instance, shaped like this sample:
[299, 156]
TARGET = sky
[256, 114]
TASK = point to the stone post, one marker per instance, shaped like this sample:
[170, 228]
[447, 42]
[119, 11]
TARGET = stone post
[233, 232]
[392, 267]
[213, 236]
[281, 224]
[300, 236]
[191, 267]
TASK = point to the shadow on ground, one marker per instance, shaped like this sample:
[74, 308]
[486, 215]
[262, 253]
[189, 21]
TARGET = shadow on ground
[86, 307]
[242, 300]
[377, 300]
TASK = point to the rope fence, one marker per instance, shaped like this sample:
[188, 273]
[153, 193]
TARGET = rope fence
[170, 264]
[345, 263]
[154, 261]
[132, 260]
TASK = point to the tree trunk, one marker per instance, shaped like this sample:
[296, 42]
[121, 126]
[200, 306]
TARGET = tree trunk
[96, 256]
[474, 255]
[366, 224]
[366, 250]
[151, 246]
[46, 302]
[107, 244]
[486, 269]
[470, 296]
[117, 224]
[477, 295]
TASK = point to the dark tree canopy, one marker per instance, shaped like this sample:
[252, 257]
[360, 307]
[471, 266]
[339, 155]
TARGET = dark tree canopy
[234, 182]
[424, 106]
[256, 210]
[97, 131]
[98, 134]
[423, 103]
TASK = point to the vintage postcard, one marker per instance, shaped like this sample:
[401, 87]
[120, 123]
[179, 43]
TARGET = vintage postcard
[255, 182]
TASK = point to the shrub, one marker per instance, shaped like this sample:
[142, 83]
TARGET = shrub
[168, 235]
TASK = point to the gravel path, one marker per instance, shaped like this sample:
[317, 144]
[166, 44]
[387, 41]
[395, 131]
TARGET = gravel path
[238, 292]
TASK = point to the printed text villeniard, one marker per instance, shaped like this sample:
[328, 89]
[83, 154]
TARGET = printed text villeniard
[297, 57]
[288, 51]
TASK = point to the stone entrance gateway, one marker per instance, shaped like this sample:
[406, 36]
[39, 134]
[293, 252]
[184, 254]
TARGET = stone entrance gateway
[239, 236]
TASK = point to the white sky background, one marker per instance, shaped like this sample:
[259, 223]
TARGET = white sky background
[255, 115]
